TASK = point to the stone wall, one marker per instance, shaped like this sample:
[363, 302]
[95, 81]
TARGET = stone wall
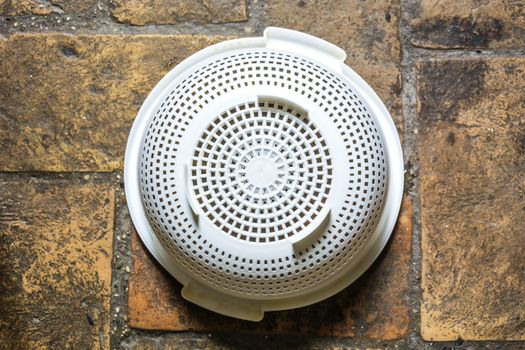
[73, 273]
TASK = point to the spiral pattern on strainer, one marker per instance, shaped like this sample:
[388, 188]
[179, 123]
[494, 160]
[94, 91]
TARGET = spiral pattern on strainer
[261, 171]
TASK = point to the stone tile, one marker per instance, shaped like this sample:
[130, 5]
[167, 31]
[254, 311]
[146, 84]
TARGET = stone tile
[468, 24]
[472, 162]
[55, 263]
[373, 307]
[36, 7]
[366, 30]
[140, 12]
[67, 102]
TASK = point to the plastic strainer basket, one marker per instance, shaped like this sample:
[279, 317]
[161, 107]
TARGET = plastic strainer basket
[264, 174]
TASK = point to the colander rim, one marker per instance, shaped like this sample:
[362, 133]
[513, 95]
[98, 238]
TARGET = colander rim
[365, 257]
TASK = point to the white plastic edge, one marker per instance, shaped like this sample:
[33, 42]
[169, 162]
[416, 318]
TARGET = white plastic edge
[308, 45]
[326, 54]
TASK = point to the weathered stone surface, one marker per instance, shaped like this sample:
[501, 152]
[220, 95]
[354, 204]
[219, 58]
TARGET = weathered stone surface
[468, 24]
[36, 7]
[55, 263]
[374, 307]
[367, 31]
[472, 160]
[140, 12]
[67, 102]
[230, 341]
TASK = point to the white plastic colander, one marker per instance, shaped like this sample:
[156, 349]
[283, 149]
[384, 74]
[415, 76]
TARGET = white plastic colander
[264, 174]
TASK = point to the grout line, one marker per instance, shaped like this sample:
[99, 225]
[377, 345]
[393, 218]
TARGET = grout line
[121, 267]
[417, 53]
[410, 150]
[85, 177]
[121, 29]
[113, 300]
[42, 173]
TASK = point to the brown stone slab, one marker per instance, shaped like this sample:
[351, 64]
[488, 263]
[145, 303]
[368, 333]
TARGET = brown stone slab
[36, 7]
[55, 263]
[67, 102]
[366, 30]
[468, 24]
[140, 12]
[472, 165]
[373, 307]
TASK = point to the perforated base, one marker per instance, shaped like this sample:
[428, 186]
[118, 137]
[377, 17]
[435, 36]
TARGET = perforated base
[263, 175]
[261, 171]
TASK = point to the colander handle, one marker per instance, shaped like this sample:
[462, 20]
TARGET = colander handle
[189, 192]
[222, 303]
[305, 44]
[312, 233]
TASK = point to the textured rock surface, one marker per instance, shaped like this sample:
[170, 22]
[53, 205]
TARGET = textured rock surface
[374, 307]
[67, 102]
[367, 31]
[472, 158]
[228, 341]
[140, 12]
[468, 24]
[55, 263]
[37, 7]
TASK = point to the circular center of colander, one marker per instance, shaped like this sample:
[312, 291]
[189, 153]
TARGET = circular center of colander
[260, 171]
